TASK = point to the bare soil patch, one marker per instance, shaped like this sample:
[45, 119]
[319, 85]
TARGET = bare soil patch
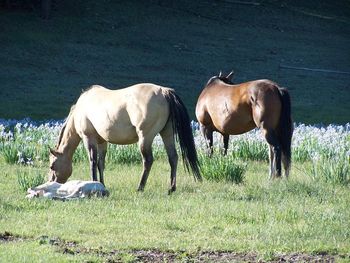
[154, 255]
[8, 237]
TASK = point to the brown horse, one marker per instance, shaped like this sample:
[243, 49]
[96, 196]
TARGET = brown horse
[235, 109]
[125, 116]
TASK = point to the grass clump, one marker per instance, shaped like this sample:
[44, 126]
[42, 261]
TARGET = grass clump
[28, 180]
[222, 168]
[253, 150]
[9, 153]
[334, 169]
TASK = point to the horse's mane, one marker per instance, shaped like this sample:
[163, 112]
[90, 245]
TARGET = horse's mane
[221, 78]
[69, 115]
[64, 126]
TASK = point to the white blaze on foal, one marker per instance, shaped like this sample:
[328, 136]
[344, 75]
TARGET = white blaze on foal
[69, 190]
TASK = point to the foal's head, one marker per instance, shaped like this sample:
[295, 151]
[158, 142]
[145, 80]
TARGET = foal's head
[60, 167]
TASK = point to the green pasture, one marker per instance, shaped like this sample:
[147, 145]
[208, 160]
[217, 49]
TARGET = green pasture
[236, 209]
[261, 216]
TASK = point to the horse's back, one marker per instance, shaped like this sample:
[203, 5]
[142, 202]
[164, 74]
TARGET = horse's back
[117, 116]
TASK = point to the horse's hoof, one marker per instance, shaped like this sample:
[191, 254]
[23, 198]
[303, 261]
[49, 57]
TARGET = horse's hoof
[172, 190]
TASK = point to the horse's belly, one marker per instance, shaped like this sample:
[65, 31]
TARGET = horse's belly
[235, 125]
[119, 135]
[235, 130]
[111, 126]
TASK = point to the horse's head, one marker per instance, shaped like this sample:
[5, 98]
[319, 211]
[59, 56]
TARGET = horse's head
[60, 167]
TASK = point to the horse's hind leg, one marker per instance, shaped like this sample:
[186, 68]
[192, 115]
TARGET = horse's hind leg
[275, 152]
[145, 145]
[169, 143]
[91, 147]
[208, 136]
[102, 150]
[285, 163]
[271, 159]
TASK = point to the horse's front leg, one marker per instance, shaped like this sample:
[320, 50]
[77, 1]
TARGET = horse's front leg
[91, 147]
[101, 150]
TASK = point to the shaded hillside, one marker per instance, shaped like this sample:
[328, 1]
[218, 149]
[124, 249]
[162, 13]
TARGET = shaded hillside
[180, 44]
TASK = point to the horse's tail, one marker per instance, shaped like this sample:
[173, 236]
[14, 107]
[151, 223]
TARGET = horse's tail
[286, 127]
[182, 128]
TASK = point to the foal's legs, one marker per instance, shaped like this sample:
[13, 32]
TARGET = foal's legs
[208, 136]
[91, 147]
[169, 144]
[275, 152]
[145, 145]
[102, 150]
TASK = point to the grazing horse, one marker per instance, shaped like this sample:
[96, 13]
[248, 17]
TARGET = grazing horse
[235, 109]
[125, 116]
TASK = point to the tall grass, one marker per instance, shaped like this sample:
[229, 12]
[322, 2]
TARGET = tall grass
[25, 142]
[28, 179]
[282, 216]
[335, 169]
[222, 168]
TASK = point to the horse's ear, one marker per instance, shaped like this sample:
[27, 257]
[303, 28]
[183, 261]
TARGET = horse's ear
[220, 74]
[230, 75]
[53, 152]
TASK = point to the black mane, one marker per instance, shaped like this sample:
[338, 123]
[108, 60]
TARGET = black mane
[222, 78]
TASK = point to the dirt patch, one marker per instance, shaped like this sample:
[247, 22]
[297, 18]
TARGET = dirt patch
[205, 256]
[73, 248]
[8, 237]
[229, 256]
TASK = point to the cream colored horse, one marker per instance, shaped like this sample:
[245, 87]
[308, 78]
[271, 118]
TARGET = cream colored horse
[134, 114]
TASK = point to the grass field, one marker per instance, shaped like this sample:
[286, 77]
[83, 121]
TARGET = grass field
[304, 218]
[177, 44]
[269, 220]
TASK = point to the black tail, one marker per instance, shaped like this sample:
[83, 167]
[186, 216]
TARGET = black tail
[286, 127]
[182, 128]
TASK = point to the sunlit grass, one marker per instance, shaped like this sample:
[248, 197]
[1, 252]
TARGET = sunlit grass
[28, 179]
[259, 215]
[222, 168]
[236, 207]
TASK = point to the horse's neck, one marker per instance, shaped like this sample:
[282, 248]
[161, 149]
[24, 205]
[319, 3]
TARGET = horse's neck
[70, 139]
